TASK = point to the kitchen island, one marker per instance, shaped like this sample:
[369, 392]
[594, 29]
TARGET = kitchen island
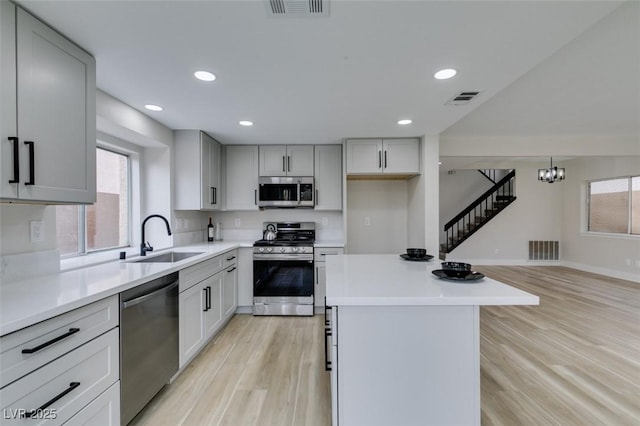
[404, 344]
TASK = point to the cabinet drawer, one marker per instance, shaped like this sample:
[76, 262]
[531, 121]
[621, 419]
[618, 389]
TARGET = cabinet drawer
[320, 253]
[194, 274]
[103, 411]
[54, 337]
[230, 258]
[57, 391]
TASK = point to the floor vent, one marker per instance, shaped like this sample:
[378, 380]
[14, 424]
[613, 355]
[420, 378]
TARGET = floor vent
[544, 250]
[462, 98]
[298, 8]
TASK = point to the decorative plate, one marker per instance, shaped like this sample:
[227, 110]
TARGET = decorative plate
[451, 275]
[425, 258]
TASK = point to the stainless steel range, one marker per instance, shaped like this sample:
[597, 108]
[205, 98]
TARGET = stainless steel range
[283, 269]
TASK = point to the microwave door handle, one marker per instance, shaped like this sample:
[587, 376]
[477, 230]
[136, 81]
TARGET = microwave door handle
[299, 196]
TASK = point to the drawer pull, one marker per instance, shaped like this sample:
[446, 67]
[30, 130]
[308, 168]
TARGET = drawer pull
[230, 258]
[71, 387]
[232, 269]
[51, 342]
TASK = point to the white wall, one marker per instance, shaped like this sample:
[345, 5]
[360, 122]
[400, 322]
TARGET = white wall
[247, 225]
[608, 254]
[535, 215]
[384, 203]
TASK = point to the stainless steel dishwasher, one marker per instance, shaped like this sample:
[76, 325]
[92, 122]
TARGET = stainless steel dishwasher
[148, 342]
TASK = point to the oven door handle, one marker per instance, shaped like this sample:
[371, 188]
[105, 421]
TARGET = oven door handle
[292, 257]
[298, 195]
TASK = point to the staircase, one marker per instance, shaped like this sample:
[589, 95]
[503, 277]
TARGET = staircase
[479, 212]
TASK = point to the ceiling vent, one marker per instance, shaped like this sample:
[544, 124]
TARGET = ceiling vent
[298, 8]
[462, 98]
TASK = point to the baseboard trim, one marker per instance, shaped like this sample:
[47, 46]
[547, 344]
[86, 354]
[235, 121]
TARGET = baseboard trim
[603, 271]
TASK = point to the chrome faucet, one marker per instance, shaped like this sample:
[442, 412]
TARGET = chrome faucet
[145, 246]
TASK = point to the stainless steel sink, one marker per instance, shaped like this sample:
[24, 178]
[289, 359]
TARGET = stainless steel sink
[169, 257]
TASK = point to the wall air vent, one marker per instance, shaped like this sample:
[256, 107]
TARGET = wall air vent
[462, 98]
[298, 8]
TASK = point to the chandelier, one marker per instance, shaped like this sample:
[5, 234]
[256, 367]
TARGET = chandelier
[551, 174]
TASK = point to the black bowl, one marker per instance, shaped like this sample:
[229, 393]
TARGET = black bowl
[456, 266]
[452, 273]
[416, 253]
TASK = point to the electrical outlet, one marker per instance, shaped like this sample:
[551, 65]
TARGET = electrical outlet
[496, 251]
[237, 222]
[638, 263]
[325, 221]
[627, 262]
[37, 231]
[367, 221]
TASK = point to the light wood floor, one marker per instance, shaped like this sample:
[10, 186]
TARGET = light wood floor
[573, 360]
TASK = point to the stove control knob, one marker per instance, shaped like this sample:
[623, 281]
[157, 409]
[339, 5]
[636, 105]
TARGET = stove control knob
[269, 249]
[282, 249]
[261, 249]
[294, 249]
[302, 249]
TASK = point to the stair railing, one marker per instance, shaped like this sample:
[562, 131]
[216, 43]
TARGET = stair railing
[479, 212]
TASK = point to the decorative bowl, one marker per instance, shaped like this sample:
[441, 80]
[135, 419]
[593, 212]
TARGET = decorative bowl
[456, 266]
[416, 252]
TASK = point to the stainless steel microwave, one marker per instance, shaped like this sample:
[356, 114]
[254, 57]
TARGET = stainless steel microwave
[285, 192]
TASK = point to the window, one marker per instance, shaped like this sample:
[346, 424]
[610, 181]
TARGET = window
[105, 224]
[614, 205]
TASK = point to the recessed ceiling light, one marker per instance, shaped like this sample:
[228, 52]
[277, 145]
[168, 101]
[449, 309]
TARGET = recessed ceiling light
[152, 107]
[245, 123]
[445, 74]
[204, 75]
[404, 122]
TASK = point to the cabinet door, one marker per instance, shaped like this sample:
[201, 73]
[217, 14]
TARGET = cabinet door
[320, 283]
[57, 113]
[299, 160]
[213, 315]
[104, 410]
[8, 103]
[401, 156]
[215, 191]
[328, 177]
[364, 156]
[229, 291]
[241, 189]
[273, 160]
[191, 319]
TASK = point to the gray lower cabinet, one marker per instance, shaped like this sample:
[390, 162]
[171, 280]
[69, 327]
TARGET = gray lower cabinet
[207, 300]
[63, 369]
[320, 265]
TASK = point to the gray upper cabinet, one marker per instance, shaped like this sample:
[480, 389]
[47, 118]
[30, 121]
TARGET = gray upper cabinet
[383, 156]
[197, 174]
[48, 120]
[241, 174]
[328, 177]
[286, 160]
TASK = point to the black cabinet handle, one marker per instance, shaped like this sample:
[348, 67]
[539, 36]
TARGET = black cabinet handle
[206, 299]
[215, 195]
[232, 269]
[379, 159]
[255, 197]
[327, 363]
[316, 196]
[51, 342]
[283, 168]
[209, 298]
[288, 163]
[230, 258]
[32, 160]
[327, 309]
[16, 160]
[31, 413]
[385, 159]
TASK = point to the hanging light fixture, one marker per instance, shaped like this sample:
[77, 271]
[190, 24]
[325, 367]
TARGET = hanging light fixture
[551, 174]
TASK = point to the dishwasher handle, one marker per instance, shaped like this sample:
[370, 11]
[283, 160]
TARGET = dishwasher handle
[144, 297]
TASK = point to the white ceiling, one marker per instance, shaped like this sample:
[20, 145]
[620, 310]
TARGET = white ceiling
[318, 80]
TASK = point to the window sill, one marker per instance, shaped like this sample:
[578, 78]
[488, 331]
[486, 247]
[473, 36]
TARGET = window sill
[92, 259]
[609, 235]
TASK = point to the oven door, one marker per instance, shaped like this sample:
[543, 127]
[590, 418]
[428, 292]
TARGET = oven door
[283, 284]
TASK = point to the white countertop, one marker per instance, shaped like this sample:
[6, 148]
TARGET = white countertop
[24, 303]
[328, 243]
[388, 280]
